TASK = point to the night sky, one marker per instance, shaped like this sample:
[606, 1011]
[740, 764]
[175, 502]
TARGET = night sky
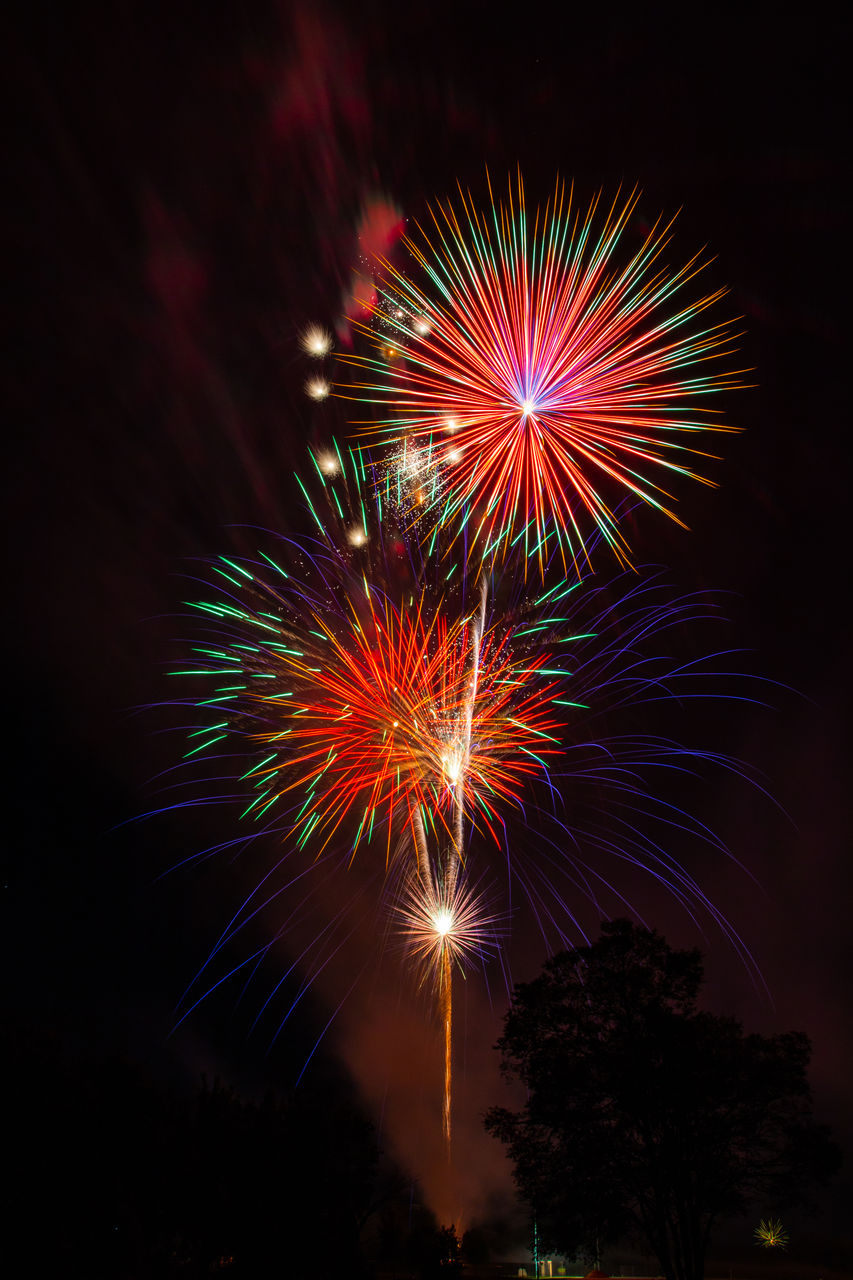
[185, 194]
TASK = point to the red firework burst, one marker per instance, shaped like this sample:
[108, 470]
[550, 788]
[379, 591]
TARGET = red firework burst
[545, 375]
[397, 716]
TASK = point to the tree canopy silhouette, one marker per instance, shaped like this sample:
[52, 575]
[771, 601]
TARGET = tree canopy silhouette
[646, 1117]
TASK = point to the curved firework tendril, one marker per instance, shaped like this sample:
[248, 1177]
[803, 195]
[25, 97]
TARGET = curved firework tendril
[540, 373]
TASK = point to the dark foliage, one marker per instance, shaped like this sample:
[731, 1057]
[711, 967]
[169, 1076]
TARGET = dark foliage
[434, 1253]
[646, 1116]
[114, 1175]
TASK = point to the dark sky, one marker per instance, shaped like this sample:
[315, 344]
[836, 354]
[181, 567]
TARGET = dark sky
[184, 195]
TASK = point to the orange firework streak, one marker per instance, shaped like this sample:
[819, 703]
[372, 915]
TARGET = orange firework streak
[444, 923]
[398, 716]
[447, 1018]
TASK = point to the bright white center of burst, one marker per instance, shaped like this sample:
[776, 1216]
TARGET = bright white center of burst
[357, 537]
[317, 388]
[443, 922]
[316, 341]
[328, 464]
[528, 406]
[451, 762]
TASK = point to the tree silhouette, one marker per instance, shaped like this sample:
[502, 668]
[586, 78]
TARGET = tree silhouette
[645, 1116]
[434, 1252]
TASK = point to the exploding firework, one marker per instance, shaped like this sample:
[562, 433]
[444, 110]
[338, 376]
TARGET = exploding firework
[771, 1234]
[549, 364]
[370, 729]
[317, 388]
[445, 925]
[373, 714]
[316, 341]
[378, 694]
[437, 920]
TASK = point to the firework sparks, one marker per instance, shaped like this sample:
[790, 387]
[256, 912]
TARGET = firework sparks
[437, 920]
[771, 1234]
[414, 475]
[545, 377]
[328, 463]
[371, 711]
[445, 926]
[379, 705]
[377, 716]
[366, 720]
[316, 341]
[317, 388]
[381, 686]
[363, 723]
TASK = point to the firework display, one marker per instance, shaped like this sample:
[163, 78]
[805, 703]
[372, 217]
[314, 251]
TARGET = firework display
[433, 665]
[770, 1234]
[372, 711]
[552, 366]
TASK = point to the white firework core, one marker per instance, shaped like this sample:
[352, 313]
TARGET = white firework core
[316, 341]
[443, 921]
[317, 388]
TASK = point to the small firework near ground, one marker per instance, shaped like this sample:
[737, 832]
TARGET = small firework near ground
[770, 1234]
